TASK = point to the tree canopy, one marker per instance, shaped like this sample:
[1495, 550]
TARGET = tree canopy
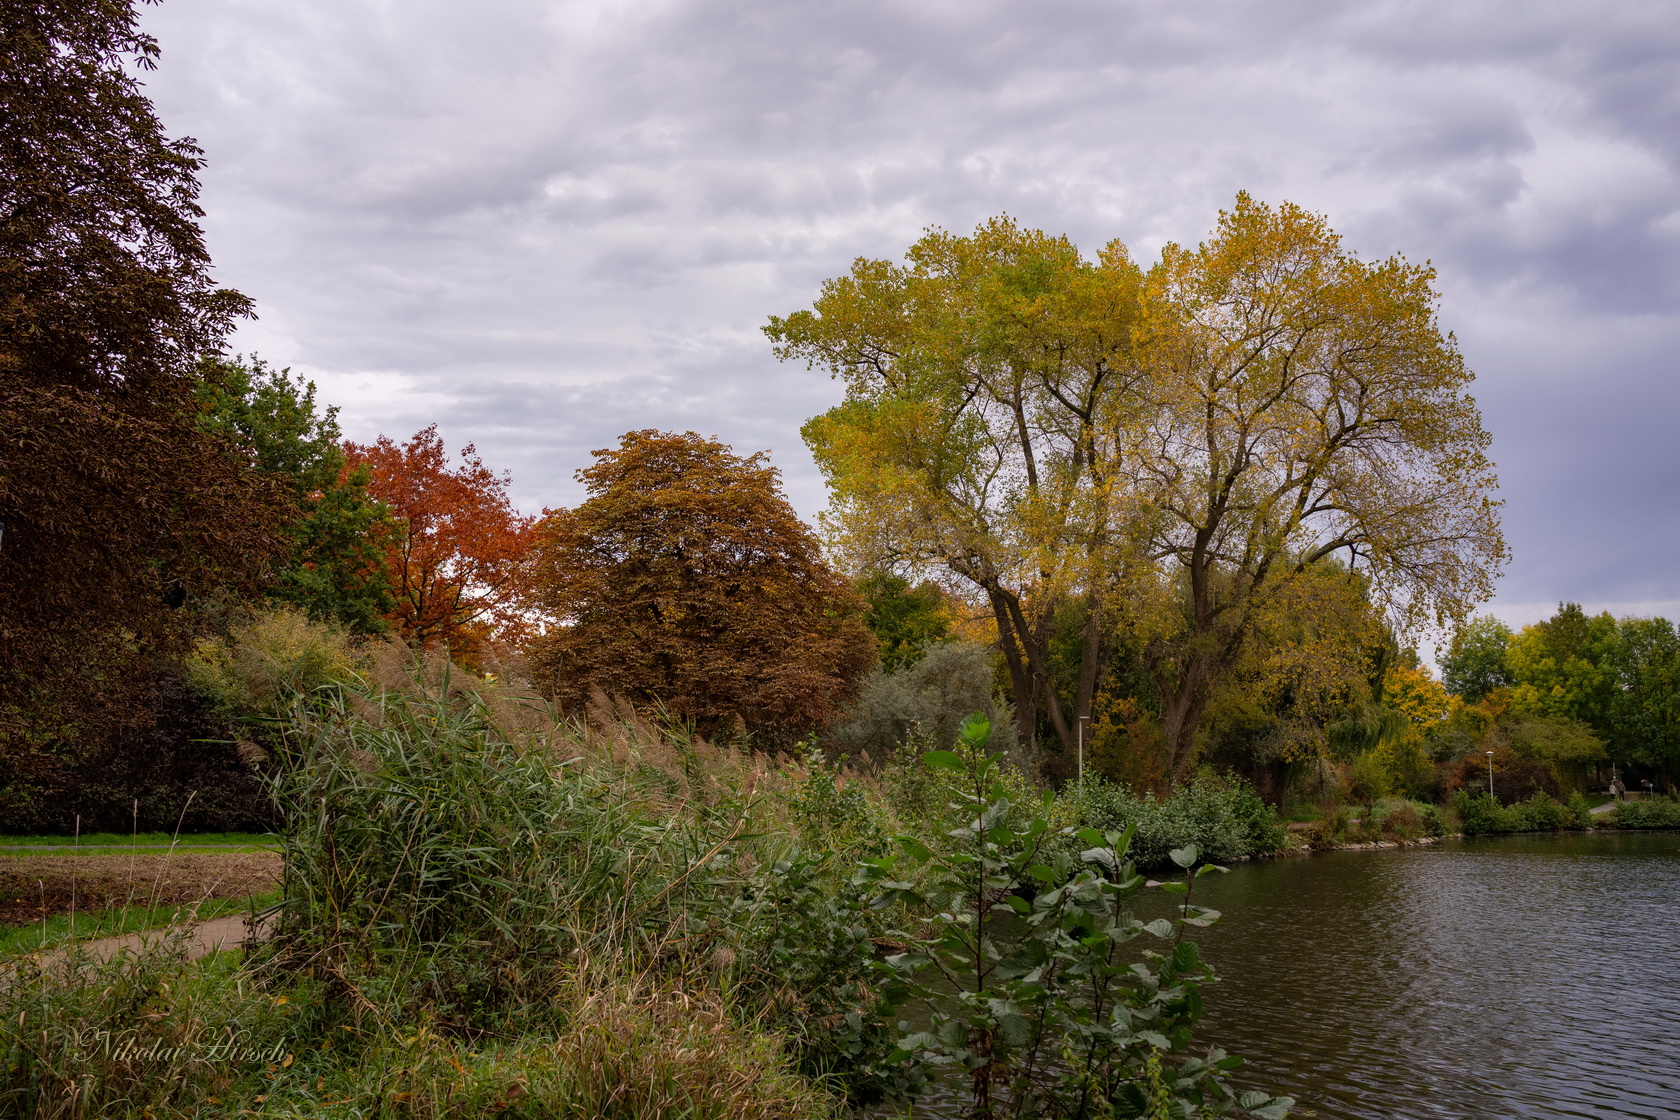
[982, 378]
[117, 507]
[905, 619]
[1179, 447]
[458, 557]
[336, 533]
[685, 579]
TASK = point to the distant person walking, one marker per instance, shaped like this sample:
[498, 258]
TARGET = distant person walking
[1618, 792]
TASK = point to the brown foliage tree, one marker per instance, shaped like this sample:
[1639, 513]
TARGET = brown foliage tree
[459, 558]
[686, 579]
[115, 507]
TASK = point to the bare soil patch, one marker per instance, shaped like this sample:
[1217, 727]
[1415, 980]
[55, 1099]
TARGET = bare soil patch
[33, 887]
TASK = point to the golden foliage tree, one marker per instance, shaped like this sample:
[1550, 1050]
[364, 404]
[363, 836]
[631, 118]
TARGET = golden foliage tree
[982, 380]
[1302, 405]
[1179, 449]
[686, 579]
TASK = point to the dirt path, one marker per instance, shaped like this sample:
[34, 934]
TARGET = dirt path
[207, 937]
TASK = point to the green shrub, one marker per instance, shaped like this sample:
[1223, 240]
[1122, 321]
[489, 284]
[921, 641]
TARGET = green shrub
[1223, 817]
[930, 696]
[832, 812]
[1052, 1013]
[1657, 812]
[1540, 813]
[1478, 814]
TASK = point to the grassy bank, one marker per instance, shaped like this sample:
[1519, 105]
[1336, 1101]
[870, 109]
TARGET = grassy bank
[486, 912]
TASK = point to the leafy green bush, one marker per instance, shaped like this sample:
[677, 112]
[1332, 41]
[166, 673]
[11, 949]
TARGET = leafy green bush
[1051, 1014]
[1657, 812]
[1223, 817]
[1478, 814]
[1540, 813]
[831, 812]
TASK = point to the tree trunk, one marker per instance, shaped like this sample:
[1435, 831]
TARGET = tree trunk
[1181, 716]
[1020, 681]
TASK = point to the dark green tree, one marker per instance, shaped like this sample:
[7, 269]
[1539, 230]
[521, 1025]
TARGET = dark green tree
[1645, 713]
[905, 619]
[1475, 665]
[334, 565]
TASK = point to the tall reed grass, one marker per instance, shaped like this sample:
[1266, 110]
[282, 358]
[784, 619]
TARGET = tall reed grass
[486, 911]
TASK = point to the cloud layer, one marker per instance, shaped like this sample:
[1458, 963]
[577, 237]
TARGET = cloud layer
[541, 225]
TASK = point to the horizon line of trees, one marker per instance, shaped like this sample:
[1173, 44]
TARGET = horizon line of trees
[1193, 508]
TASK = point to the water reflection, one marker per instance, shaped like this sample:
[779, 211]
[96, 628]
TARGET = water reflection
[1522, 977]
[1510, 978]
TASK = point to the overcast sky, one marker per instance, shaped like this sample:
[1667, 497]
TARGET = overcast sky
[543, 224]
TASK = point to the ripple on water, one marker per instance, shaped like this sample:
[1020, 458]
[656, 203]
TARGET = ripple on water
[1514, 978]
[1522, 977]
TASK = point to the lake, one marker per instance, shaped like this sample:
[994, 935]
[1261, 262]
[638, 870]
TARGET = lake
[1515, 977]
[1533, 976]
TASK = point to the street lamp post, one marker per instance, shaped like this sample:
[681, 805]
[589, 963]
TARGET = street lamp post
[1490, 775]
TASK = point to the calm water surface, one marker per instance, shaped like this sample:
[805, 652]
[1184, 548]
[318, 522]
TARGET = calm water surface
[1528, 976]
[1519, 977]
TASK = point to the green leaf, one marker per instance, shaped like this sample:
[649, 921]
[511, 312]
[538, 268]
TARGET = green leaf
[915, 848]
[1185, 856]
[976, 730]
[943, 760]
[1102, 856]
[1015, 1029]
[1161, 928]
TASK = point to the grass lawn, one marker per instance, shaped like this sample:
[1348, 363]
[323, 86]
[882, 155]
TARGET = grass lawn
[58, 930]
[218, 841]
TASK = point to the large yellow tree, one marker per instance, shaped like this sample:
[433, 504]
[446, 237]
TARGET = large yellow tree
[1176, 449]
[979, 375]
[1302, 405]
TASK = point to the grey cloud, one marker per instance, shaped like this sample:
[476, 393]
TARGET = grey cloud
[552, 223]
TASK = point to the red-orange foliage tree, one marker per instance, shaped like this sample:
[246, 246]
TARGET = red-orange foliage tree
[686, 579]
[459, 556]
